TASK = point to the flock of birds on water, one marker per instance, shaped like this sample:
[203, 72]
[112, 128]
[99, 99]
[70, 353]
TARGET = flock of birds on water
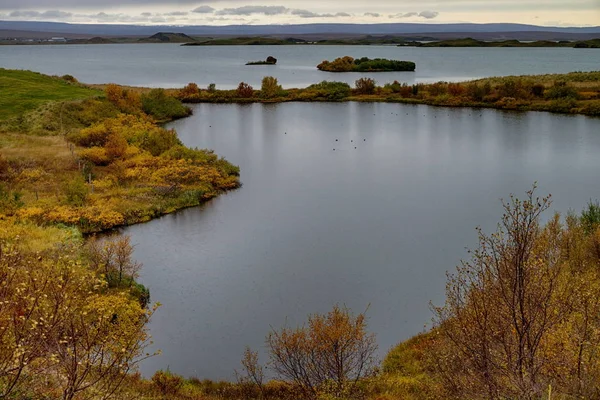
[364, 140]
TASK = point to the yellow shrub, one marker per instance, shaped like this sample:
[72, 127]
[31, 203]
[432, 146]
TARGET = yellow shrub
[96, 155]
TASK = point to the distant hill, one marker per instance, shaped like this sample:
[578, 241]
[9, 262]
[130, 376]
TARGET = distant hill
[168, 37]
[470, 42]
[558, 33]
[94, 40]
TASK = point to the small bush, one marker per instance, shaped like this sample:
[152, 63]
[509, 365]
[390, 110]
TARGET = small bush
[244, 90]
[456, 89]
[331, 90]
[561, 90]
[167, 383]
[437, 89]
[69, 78]
[190, 90]
[590, 217]
[162, 106]
[96, 155]
[76, 192]
[564, 105]
[538, 90]
[270, 87]
[365, 86]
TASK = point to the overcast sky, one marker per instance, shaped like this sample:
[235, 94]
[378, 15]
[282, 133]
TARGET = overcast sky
[225, 12]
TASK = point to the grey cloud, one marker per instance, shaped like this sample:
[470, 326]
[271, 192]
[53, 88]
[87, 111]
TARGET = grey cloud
[50, 14]
[214, 19]
[176, 13]
[55, 14]
[304, 13]
[26, 14]
[249, 10]
[146, 14]
[422, 14]
[104, 17]
[310, 14]
[428, 14]
[203, 10]
[158, 19]
[372, 14]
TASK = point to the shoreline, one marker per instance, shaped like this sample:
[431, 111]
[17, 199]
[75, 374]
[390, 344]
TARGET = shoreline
[571, 93]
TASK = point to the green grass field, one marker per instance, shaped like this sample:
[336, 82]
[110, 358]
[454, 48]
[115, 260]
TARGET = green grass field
[22, 91]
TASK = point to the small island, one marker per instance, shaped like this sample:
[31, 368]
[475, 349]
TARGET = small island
[349, 64]
[269, 61]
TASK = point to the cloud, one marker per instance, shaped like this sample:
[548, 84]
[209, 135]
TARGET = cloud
[222, 19]
[55, 14]
[422, 14]
[249, 10]
[176, 13]
[146, 14]
[24, 14]
[428, 14]
[310, 14]
[50, 14]
[372, 14]
[203, 10]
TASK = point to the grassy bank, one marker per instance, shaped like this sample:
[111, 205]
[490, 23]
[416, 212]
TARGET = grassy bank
[98, 159]
[572, 93]
[23, 91]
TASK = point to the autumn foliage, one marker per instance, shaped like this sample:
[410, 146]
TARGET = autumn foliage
[62, 335]
[119, 170]
[522, 315]
[329, 355]
[577, 92]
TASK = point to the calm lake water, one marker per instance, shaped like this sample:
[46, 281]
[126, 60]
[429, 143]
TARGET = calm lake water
[170, 65]
[376, 225]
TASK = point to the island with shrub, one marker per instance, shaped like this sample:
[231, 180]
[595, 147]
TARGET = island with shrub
[269, 61]
[365, 64]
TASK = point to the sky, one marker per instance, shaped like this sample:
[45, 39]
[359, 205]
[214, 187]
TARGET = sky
[242, 12]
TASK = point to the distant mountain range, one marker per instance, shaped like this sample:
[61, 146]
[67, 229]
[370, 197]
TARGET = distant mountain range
[499, 31]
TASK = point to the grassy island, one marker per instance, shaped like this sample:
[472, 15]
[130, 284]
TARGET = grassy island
[269, 61]
[349, 64]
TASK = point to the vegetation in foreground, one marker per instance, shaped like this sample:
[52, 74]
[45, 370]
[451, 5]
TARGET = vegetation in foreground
[66, 331]
[572, 93]
[101, 162]
[521, 321]
[365, 64]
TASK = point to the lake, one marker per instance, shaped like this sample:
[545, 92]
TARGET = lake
[375, 223]
[170, 65]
